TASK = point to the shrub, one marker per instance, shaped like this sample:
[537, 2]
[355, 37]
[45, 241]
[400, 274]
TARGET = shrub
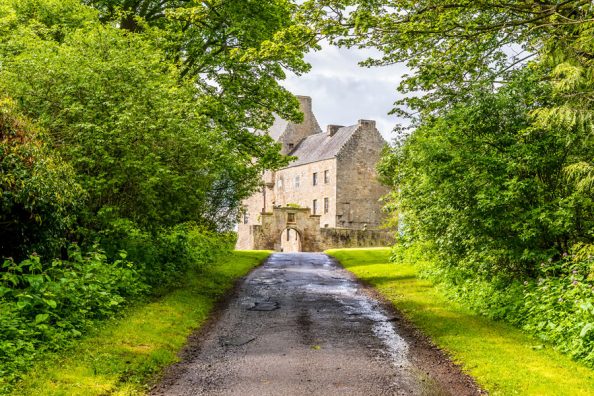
[38, 197]
[165, 256]
[557, 307]
[560, 307]
[42, 307]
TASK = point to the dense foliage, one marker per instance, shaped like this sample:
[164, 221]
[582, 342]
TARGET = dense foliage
[493, 181]
[126, 147]
[38, 193]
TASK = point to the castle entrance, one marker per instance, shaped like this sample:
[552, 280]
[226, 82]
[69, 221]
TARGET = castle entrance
[290, 240]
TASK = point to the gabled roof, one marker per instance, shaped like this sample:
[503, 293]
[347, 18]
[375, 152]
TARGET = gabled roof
[321, 146]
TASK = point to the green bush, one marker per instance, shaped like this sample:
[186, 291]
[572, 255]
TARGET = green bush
[557, 306]
[560, 307]
[38, 197]
[165, 256]
[42, 307]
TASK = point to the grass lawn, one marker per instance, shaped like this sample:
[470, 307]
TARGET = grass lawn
[121, 357]
[504, 360]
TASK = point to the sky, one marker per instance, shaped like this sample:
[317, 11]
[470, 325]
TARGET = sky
[343, 92]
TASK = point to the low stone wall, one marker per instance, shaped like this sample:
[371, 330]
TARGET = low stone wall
[262, 237]
[334, 238]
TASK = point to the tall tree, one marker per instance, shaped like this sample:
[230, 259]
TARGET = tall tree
[453, 46]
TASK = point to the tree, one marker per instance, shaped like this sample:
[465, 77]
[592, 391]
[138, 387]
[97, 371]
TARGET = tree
[234, 51]
[455, 46]
[481, 183]
[158, 121]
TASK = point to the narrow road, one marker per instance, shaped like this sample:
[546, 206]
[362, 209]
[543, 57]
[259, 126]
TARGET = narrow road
[302, 325]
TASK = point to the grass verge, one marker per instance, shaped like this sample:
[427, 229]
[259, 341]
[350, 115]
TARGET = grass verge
[122, 356]
[503, 359]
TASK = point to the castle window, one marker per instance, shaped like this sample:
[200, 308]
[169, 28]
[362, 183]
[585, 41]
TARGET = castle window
[326, 205]
[279, 183]
[296, 182]
[315, 206]
[290, 217]
[291, 145]
[326, 177]
[315, 179]
[246, 218]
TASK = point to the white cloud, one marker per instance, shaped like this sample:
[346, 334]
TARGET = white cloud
[343, 92]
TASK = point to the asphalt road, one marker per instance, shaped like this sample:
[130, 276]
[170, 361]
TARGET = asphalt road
[302, 325]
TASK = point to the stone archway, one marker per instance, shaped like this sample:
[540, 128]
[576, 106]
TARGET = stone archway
[290, 240]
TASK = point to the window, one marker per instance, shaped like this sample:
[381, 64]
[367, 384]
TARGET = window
[326, 177]
[315, 179]
[279, 183]
[246, 218]
[291, 145]
[290, 217]
[296, 182]
[315, 206]
[326, 205]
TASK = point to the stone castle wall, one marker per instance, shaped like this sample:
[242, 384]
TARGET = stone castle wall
[336, 238]
[269, 235]
[357, 189]
[287, 192]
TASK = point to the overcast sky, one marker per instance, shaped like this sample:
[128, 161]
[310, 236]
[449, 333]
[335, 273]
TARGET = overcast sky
[343, 92]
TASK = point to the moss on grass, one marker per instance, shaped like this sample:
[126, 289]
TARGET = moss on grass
[123, 356]
[503, 359]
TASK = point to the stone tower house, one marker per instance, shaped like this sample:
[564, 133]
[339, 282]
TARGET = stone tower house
[327, 197]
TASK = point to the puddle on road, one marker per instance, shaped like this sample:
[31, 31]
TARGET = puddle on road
[346, 291]
[320, 276]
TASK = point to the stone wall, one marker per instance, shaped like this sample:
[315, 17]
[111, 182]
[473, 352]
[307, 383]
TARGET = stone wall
[335, 238]
[358, 191]
[306, 227]
[286, 192]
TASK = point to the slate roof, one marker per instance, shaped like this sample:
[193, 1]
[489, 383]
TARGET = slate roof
[321, 146]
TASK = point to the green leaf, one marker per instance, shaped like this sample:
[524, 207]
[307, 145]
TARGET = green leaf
[51, 303]
[39, 318]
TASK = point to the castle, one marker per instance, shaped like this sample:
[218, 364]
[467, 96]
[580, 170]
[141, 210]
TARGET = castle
[327, 197]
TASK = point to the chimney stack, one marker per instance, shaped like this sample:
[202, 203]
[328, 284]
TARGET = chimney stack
[370, 124]
[332, 129]
[304, 104]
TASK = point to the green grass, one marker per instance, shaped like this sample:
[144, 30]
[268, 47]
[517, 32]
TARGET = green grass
[124, 355]
[504, 360]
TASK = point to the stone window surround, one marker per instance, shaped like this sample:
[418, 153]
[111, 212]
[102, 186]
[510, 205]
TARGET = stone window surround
[314, 206]
[290, 217]
[326, 176]
[315, 179]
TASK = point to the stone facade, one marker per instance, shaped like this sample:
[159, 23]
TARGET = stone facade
[328, 197]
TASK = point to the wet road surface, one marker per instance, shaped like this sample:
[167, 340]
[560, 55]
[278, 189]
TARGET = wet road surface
[301, 325]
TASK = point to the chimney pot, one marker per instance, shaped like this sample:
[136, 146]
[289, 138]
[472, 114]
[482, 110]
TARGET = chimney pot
[332, 129]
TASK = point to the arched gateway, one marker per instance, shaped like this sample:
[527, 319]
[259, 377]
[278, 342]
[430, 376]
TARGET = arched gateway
[282, 222]
[299, 223]
[290, 240]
